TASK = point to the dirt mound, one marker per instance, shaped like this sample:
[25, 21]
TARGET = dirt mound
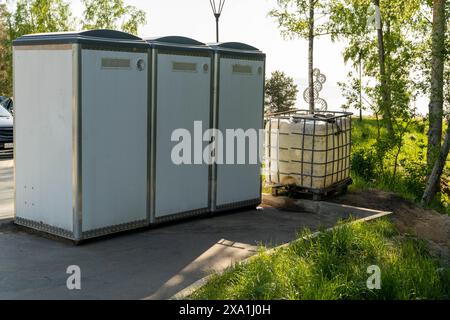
[408, 217]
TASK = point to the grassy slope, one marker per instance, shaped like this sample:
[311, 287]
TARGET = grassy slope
[334, 266]
[409, 179]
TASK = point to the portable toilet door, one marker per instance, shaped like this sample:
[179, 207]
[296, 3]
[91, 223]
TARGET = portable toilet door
[181, 112]
[81, 127]
[239, 71]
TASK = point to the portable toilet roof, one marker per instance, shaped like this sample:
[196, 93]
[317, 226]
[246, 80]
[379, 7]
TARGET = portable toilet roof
[236, 47]
[102, 37]
[177, 43]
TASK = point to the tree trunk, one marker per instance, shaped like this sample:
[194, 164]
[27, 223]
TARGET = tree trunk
[311, 56]
[385, 96]
[435, 108]
[360, 86]
[431, 187]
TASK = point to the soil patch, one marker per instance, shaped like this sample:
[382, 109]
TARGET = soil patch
[408, 217]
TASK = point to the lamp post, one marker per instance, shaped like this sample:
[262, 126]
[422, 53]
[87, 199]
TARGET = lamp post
[217, 7]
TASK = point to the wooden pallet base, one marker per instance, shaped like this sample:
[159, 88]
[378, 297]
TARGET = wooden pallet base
[317, 194]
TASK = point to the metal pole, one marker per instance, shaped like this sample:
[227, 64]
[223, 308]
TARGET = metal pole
[217, 7]
[217, 26]
[311, 57]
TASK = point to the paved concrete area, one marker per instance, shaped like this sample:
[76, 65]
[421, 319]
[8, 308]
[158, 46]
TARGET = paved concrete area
[154, 263]
[6, 189]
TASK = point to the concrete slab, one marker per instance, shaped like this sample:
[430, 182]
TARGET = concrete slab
[154, 263]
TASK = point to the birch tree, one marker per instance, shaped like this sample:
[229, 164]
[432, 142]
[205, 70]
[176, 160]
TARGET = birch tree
[435, 108]
[304, 19]
[432, 186]
[439, 97]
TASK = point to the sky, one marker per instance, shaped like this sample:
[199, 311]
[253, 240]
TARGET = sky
[248, 21]
[245, 21]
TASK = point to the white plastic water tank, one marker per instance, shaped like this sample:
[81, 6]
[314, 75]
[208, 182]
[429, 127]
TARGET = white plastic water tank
[308, 151]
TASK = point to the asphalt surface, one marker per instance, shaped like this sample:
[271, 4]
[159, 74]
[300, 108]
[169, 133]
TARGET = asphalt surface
[153, 263]
[6, 189]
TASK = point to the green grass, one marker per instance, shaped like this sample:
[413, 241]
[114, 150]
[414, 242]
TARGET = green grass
[410, 178]
[334, 265]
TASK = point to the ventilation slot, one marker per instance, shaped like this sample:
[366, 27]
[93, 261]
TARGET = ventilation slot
[242, 69]
[109, 63]
[184, 66]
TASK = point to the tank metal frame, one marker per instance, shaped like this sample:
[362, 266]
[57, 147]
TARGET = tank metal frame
[338, 182]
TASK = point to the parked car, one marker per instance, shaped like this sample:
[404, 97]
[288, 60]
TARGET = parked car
[7, 103]
[6, 132]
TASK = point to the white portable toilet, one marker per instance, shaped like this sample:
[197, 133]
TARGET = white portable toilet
[81, 127]
[181, 81]
[239, 75]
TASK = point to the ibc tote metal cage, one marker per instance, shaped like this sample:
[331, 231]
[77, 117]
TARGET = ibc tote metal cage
[335, 175]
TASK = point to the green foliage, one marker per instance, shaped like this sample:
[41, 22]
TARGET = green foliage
[353, 21]
[29, 16]
[40, 16]
[293, 17]
[112, 14]
[5, 80]
[334, 265]
[364, 164]
[374, 159]
[351, 92]
[281, 92]
[414, 176]
[422, 69]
